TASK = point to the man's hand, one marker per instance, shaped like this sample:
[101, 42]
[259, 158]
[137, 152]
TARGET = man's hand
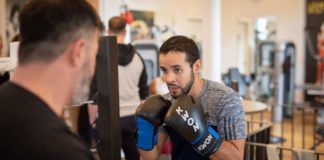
[149, 116]
[186, 117]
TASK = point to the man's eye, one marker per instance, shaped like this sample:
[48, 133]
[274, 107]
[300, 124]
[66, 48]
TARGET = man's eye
[163, 71]
[177, 70]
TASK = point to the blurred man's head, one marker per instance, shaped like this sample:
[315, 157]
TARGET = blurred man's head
[50, 29]
[48, 26]
[117, 27]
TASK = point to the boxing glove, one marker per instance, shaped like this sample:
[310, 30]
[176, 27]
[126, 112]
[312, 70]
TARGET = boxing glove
[149, 116]
[186, 117]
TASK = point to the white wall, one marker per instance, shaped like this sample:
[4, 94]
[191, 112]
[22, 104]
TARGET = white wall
[219, 26]
[166, 11]
[186, 17]
[290, 24]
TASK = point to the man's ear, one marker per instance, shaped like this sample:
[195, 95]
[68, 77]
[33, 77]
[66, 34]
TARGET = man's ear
[76, 53]
[197, 66]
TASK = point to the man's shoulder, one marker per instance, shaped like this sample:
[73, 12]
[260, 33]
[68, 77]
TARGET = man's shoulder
[51, 144]
[217, 94]
[11, 89]
[41, 136]
[21, 110]
[65, 143]
[10, 97]
[5, 87]
[216, 89]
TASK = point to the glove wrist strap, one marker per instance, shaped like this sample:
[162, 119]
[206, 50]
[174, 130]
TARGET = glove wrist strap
[146, 134]
[209, 143]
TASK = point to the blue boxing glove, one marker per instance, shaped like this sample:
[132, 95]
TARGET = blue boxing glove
[146, 134]
[149, 116]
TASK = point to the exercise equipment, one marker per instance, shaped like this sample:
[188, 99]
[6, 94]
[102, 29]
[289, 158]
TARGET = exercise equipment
[149, 51]
[265, 69]
[243, 81]
[284, 80]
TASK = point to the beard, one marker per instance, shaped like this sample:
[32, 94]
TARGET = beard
[82, 87]
[184, 90]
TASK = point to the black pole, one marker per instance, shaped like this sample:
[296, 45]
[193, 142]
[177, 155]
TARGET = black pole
[108, 99]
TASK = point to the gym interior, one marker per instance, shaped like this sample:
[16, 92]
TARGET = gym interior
[268, 51]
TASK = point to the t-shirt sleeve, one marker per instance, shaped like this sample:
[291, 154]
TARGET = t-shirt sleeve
[232, 122]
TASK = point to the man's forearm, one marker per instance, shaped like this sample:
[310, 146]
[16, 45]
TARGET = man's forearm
[150, 155]
[154, 154]
[228, 150]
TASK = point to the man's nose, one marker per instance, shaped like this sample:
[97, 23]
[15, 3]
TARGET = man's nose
[169, 77]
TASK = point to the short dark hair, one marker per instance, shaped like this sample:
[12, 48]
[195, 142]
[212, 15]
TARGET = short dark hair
[14, 9]
[117, 24]
[182, 44]
[48, 26]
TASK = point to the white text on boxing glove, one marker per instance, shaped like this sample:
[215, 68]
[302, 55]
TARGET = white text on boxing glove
[206, 142]
[185, 116]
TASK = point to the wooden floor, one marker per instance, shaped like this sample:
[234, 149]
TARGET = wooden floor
[295, 135]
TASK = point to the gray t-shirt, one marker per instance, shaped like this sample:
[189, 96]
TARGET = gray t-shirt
[223, 110]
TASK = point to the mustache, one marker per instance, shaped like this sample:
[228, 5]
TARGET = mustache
[172, 85]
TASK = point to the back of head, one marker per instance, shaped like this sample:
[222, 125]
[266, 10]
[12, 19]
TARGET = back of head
[117, 25]
[181, 44]
[48, 26]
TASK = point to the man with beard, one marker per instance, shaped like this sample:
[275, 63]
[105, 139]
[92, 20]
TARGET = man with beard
[220, 109]
[56, 61]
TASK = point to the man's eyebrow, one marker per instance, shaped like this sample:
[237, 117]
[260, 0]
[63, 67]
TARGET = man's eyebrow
[176, 66]
[173, 66]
